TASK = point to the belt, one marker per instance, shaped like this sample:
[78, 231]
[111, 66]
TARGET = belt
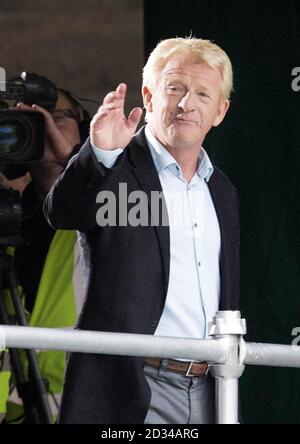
[190, 368]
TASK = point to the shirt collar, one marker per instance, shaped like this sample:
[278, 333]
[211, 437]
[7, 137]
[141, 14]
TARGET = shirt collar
[163, 159]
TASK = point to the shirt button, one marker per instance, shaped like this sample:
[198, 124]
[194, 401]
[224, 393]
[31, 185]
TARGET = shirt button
[199, 264]
[196, 225]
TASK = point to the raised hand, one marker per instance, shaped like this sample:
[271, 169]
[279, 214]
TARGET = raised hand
[110, 128]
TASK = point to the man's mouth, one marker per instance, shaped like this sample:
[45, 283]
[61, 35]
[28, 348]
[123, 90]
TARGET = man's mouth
[183, 119]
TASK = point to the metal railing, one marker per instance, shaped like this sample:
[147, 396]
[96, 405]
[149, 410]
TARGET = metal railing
[226, 352]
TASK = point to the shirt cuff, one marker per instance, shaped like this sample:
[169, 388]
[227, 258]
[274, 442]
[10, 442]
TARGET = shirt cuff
[108, 158]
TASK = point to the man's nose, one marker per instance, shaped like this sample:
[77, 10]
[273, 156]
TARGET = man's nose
[187, 102]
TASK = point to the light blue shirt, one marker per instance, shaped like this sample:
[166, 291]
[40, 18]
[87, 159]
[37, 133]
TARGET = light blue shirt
[195, 242]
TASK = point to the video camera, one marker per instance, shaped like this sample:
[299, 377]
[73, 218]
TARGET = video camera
[22, 132]
[21, 141]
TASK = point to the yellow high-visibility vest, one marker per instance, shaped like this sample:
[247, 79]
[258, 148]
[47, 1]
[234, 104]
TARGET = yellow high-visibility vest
[54, 307]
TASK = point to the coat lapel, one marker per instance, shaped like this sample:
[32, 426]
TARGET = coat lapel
[221, 207]
[146, 175]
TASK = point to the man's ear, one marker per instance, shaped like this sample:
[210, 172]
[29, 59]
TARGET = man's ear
[222, 110]
[147, 99]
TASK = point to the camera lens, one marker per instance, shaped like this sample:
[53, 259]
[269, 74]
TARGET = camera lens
[12, 137]
[21, 136]
[15, 135]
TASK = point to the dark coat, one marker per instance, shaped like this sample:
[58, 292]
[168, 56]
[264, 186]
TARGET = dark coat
[128, 279]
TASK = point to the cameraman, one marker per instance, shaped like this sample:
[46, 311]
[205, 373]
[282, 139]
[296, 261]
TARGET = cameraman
[62, 139]
[62, 134]
[48, 265]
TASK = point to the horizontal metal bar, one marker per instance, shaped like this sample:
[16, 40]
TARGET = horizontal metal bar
[211, 350]
[274, 355]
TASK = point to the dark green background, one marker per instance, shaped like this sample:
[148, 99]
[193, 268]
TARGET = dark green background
[258, 147]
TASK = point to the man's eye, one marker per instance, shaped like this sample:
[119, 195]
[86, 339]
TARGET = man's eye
[175, 89]
[58, 117]
[63, 114]
[204, 94]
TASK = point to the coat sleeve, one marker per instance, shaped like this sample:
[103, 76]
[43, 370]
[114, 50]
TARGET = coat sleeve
[71, 202]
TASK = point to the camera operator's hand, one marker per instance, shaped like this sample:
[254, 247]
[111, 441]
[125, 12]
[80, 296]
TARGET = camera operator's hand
[110, 128]
[61, 135]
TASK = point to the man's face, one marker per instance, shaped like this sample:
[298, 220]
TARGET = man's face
[185, 103]
[66, 119]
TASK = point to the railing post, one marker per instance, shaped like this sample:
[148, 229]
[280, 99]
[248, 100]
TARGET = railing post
[228, 324]
[2, 339]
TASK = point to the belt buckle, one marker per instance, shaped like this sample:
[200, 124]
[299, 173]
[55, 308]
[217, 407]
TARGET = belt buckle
[189, 369]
